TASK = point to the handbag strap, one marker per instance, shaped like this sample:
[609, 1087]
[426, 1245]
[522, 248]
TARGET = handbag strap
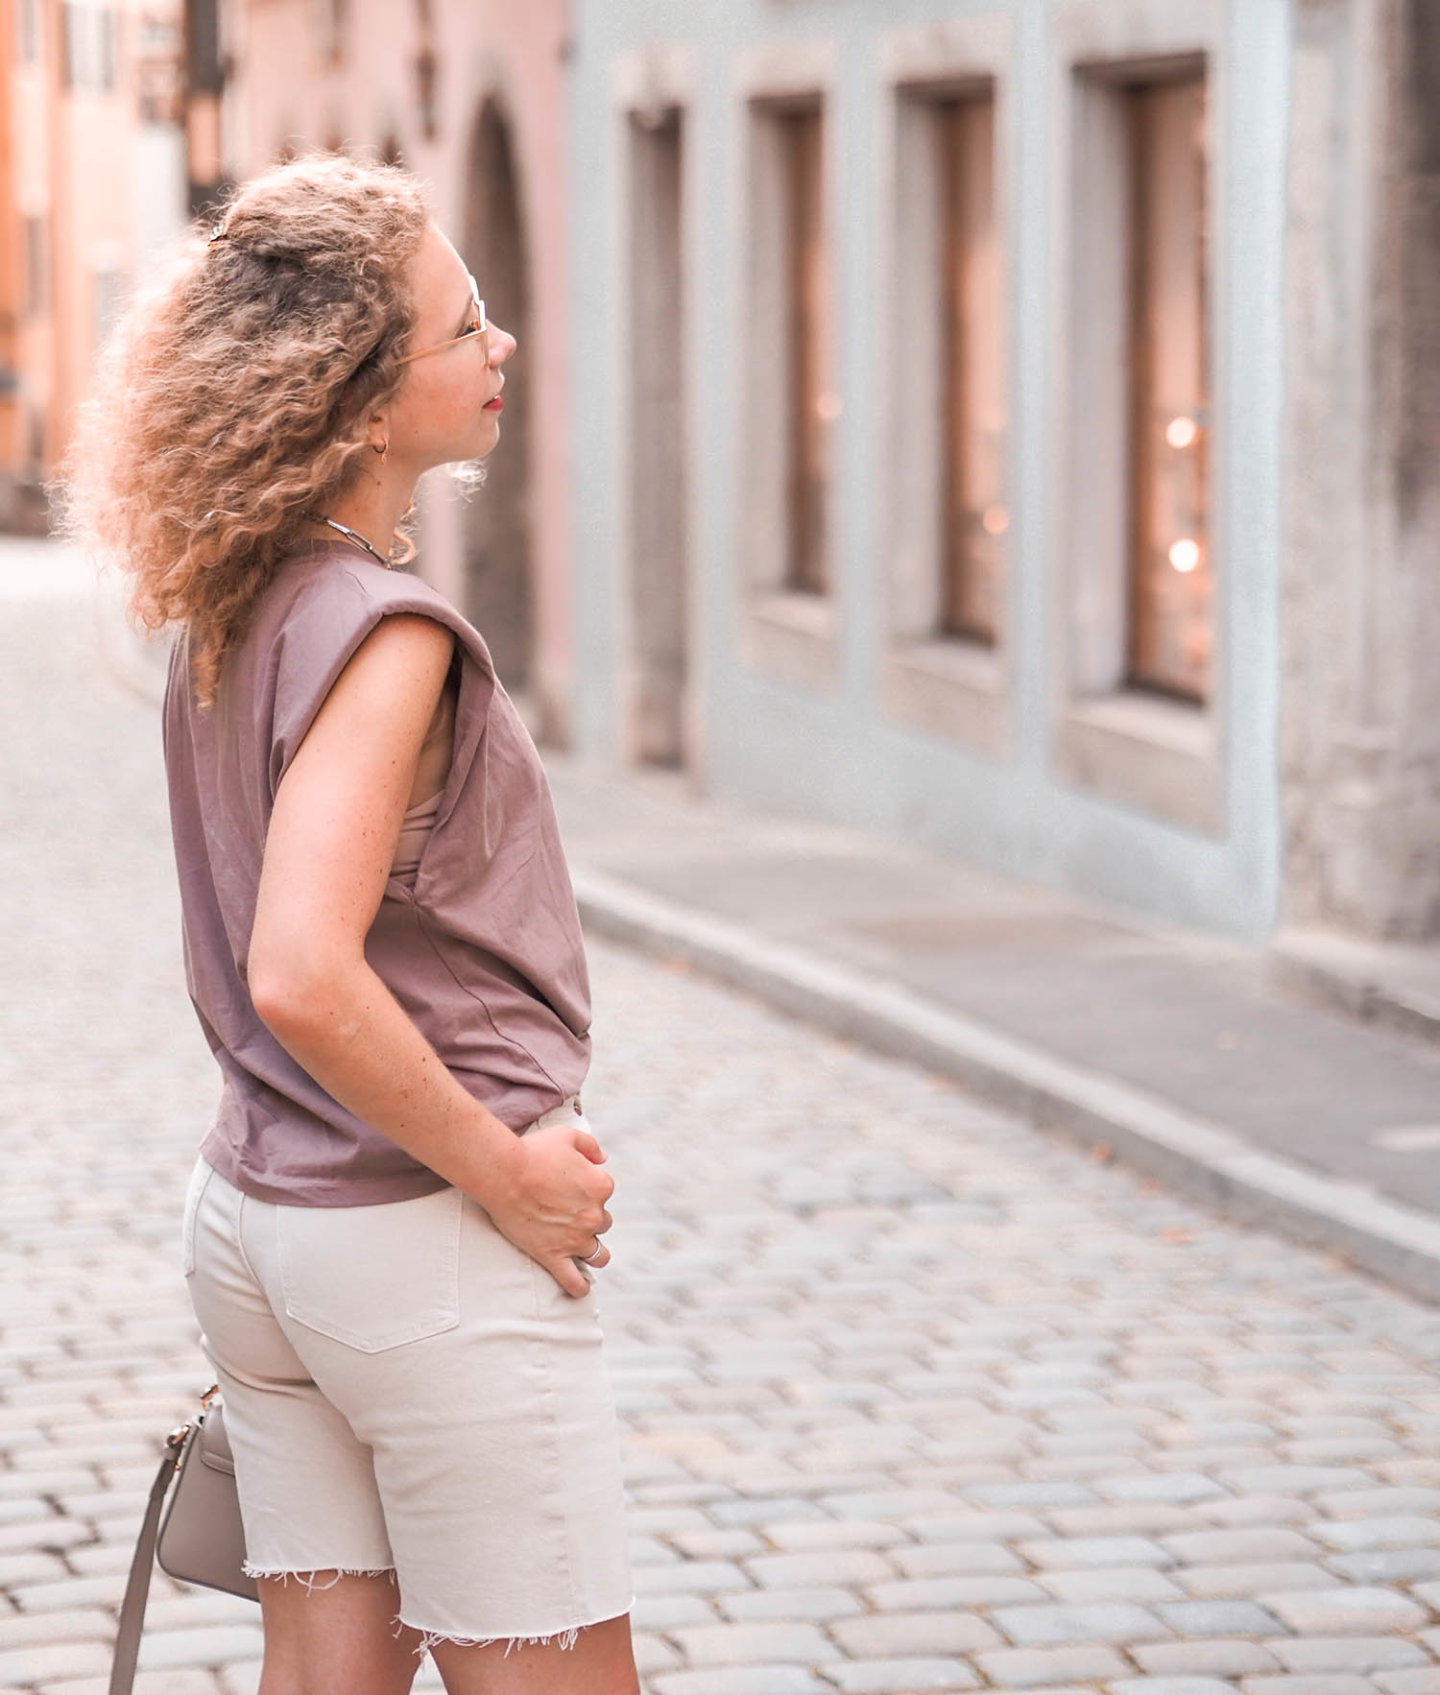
[137, 1589]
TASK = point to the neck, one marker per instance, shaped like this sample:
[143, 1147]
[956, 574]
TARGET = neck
[372, 507]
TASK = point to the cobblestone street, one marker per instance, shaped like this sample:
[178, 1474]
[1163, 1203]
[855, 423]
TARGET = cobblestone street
[915, 1397]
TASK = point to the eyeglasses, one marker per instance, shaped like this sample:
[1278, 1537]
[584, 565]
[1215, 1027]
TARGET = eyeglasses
[478, 325]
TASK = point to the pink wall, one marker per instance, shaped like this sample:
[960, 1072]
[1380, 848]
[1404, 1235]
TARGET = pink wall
[285, 86]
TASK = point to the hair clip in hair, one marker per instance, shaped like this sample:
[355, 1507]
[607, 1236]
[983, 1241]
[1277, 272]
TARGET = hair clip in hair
[217, 233]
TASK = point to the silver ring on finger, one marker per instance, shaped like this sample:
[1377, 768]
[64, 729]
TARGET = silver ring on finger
[589, 1259]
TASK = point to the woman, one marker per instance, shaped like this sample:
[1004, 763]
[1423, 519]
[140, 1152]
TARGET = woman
[388, 1230]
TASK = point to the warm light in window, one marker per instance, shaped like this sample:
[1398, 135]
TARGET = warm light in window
[995, 520]
[1181, 432]
[1185, 554]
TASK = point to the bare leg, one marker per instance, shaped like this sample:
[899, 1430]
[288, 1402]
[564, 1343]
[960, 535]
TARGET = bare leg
[600, 1663]
[338, 1637]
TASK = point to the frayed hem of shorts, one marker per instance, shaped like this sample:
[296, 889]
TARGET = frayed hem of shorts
[309, 1575]
[563, 1639]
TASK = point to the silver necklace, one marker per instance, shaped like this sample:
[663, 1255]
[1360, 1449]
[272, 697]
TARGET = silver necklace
[349, 534]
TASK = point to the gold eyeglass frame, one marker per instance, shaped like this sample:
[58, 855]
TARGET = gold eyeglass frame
[478, 325]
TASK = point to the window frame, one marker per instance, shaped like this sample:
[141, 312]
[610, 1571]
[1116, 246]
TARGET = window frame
[1155, 756]
[791, 635]
[943, 684]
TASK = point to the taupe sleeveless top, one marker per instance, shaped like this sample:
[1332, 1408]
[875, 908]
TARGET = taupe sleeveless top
[477, 936]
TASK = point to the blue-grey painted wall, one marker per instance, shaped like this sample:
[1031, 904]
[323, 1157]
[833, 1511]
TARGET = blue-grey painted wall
[836, 756]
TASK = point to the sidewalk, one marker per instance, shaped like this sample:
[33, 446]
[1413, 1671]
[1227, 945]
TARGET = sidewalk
[1194, 1058]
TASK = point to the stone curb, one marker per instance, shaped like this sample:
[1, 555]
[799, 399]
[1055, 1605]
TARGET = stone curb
[1202, 1159]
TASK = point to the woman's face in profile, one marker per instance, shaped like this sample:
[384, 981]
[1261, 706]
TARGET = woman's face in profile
[446, 408]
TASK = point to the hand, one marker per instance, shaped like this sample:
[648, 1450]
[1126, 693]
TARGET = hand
[551, 1202]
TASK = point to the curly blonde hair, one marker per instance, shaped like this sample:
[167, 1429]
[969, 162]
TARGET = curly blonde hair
[234, 394]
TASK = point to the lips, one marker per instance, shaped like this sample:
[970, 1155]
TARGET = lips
[494, 405]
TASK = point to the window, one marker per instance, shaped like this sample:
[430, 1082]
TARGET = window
[784, 337]
[943, 370]
[658, 486]
[973, 518]
[88, 33]
[1168, 637]
[1137, 685]
[35, 281]
[29, 26]
[809, 404]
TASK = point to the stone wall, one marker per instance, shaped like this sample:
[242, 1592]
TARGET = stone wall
[1361, 573]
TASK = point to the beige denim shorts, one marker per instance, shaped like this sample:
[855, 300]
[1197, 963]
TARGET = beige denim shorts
[407, 1392]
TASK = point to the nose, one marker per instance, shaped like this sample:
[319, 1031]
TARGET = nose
[502, 344]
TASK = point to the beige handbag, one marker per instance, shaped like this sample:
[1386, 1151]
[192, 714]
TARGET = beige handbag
[198, 1539]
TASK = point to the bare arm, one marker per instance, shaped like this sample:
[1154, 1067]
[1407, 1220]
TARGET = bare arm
[331, 840]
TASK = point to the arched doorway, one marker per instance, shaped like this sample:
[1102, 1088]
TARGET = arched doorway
[497, 519]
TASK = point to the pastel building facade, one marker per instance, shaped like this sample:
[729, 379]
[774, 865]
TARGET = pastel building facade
[91, 184]
[1011, 427]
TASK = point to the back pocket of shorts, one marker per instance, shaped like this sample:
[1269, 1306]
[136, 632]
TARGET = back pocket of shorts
[200, 1174]
[373, 1277]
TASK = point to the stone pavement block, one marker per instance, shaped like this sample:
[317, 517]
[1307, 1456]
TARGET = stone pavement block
[1198, 1685]
[1126, 1518]
[1223, 1582]
[1266, 1511]
[1380, 1503]
[1388, 1565]
[689, 1577]
[808, 1536]
[206, 1646]
[665, 1612]
[742, 1680]
[1336, 1683]
[1347, 1653]
[1365, 1534]
[976, 1592]
[987, 1528]
[50, 1662]
[1117, 1622]
[1218, 1618]
[817, 1606]
[884, 1636]
[1030, 1667]
[807, 1571]
[1294, 1480]
[890, 1505]
[955, 1559]
[1073, 1553]
[900, 1677]
[1203, 1657]
[1176, 1487]
[49, 1534]
[73, 1625]
[777, 1643]
[1410, 1681]
[1109, 1583]
[1349, 1612]
[915, 1595]
[714, 1544]
[29, 1568]
[1240, 1547]
[1041, 1493]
